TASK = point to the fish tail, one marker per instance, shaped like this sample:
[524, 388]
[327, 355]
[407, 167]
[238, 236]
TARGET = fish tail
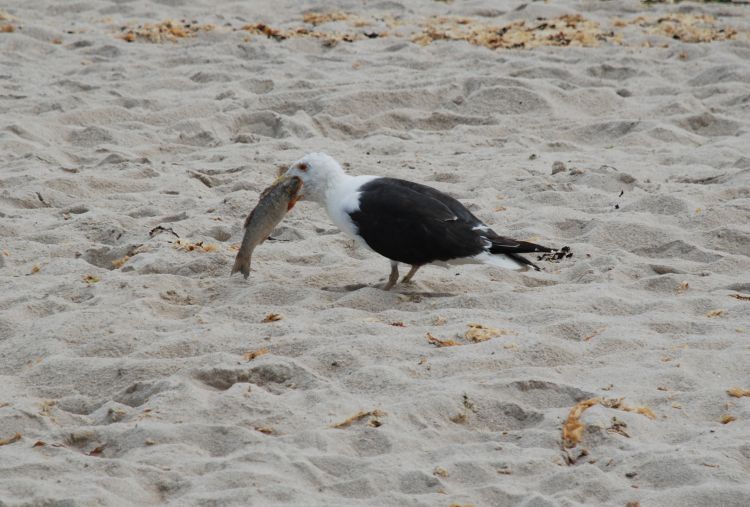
[242, 261]
[241, 266]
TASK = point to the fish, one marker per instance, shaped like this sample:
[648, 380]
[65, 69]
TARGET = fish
[273, 205]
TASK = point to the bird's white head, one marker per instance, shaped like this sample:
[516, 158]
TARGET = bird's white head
[319, 173]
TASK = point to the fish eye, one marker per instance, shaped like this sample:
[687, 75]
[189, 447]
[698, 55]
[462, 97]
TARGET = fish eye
[303, 167]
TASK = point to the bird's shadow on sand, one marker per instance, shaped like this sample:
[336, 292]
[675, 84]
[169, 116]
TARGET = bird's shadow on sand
[357, 286]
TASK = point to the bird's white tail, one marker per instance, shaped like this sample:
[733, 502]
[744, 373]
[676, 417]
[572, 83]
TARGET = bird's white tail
[501, 261]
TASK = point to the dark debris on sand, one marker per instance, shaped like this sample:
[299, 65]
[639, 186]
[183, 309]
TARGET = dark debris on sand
[557, 255]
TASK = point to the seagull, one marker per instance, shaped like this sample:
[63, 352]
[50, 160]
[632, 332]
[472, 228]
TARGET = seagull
[404, 221]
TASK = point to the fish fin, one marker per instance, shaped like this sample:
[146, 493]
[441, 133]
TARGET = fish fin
[291, 204]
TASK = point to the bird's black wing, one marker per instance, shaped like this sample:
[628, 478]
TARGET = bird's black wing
[415, 224]
[458, 209]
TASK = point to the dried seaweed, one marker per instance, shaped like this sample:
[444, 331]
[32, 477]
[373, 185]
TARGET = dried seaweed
[683, 26]
[439, 321]
[441, 343]
[740, 297]
[645, 411]
[572, 431]
[476, 333]
[573, 428]
[727, 418]
[567, 30]
[460, 418]
[715, 313]
[596, 332]
[479, 333]
[280, 34]
[262, 28]
[318, 18]
[272, 317]
[252, 354]
[440, 472]
[118, 263]
[10, 440]
[96, 451]
[373, 414]
[738, 392]
[618, 404]
[166, 31]
[91, 279]
[187, 246]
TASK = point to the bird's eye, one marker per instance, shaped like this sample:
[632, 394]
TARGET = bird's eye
[303, 167]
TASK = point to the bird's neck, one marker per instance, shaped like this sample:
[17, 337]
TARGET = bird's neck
[336, 183]
[325, 190]
[343, 198]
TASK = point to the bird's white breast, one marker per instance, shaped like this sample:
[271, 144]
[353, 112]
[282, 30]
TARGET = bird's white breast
[343, 199]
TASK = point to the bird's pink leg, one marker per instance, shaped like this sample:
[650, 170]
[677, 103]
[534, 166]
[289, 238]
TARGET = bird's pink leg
[410, 274]
[393, 278]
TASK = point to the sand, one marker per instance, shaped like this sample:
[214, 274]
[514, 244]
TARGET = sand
[136, 371]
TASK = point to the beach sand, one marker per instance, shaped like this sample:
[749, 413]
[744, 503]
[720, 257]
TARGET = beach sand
[135, 371]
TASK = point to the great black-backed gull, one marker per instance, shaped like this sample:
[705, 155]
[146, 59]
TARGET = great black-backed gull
[405, 221]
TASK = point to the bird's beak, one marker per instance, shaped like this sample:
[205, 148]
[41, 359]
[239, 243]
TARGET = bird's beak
[282, 173]
[281, 177]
